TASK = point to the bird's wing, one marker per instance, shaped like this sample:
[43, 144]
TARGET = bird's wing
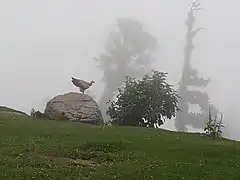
[80, 83]
[83, 83]
[81, 86]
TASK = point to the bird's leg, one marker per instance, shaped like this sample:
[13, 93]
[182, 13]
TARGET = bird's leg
[80, 89]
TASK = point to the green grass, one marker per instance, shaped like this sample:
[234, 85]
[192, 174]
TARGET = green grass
[38, 149]
[10, 110]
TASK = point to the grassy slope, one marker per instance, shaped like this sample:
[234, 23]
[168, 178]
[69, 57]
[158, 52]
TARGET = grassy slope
[35, 149]
[10, 110]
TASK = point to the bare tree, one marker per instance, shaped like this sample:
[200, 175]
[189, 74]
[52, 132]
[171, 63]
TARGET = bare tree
[190, 78]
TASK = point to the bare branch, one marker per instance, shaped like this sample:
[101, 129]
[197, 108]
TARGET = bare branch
[196, 9]
[198, 29]
[96, 59]
[194, 33]
[196, 5]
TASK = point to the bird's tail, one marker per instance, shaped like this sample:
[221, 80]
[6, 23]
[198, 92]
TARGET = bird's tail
[74, 79]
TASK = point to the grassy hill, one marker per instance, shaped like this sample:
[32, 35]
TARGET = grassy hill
[38, 149]
[4, 109]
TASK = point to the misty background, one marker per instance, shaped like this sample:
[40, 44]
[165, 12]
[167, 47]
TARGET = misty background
[44, 43]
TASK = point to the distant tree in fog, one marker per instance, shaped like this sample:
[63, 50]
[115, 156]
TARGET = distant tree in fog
[190, 78]
[128, 53]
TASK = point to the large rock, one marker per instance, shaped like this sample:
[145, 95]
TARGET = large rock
[75, 107]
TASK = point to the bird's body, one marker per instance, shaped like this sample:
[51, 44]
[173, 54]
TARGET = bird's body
[82, 85]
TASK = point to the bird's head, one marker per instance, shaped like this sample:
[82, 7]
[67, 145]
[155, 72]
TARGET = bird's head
[92, 82]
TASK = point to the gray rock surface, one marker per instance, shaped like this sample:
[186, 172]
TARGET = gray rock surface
[76, 107]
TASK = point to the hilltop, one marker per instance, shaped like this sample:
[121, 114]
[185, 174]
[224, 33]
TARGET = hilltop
[37, 149]
[4, 109]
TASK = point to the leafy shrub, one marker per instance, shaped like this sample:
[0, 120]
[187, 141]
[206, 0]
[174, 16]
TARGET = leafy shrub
[37, 114]
[145, 102]
[32, 112]
[214, 126]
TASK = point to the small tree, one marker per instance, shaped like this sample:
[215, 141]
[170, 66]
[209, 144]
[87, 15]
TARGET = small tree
[37, 114]
[214, 126]
[32, 112]
[146, 102]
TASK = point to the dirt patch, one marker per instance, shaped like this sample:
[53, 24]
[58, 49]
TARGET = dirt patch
[104, 147]
[69, 161]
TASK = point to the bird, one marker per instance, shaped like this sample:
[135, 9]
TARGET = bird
[82, 85]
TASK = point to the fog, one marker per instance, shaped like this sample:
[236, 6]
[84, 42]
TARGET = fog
[44, 43]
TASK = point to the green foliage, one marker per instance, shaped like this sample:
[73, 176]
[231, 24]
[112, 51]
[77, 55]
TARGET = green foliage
[214, 126]
[37, 114]
[151, 98]
[33, 112]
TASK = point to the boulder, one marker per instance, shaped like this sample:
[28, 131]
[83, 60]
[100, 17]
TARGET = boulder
[75, 107]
